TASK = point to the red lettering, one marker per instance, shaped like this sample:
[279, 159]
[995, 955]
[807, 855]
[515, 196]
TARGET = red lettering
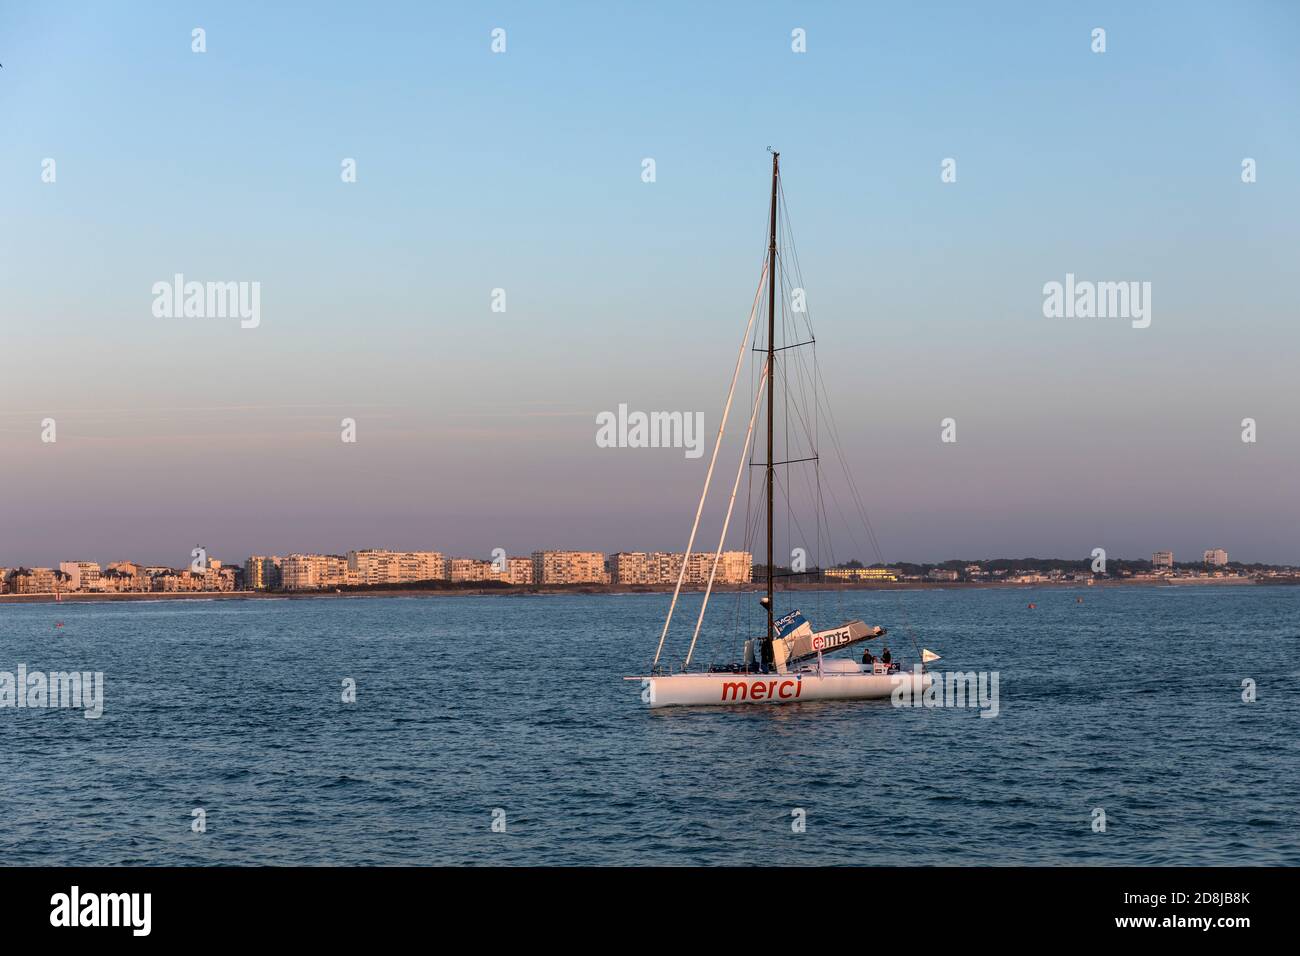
[757, 690]
[785, 686]
[738, 690]
[771, 689]
[798, 687]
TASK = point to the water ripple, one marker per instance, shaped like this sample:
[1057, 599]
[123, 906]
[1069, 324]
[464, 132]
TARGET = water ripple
[471, 706]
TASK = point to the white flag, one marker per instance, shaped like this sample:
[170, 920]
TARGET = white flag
[927, 656]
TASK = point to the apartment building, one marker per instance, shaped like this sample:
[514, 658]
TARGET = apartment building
[663, 567]
[421, 566]
[734, 567]
[183, 581]
[463, 570]
[312, 572]
[1216, 557]
[374, 566]
[82, 575]
[37, 581]
[262, 572]
[1162, 559]
[112, 581]
[220, 577]
[169, 580]
[569, 567]
[519, 570]
[515, 570]
[629, 567]
[378, 566]
[126, 576]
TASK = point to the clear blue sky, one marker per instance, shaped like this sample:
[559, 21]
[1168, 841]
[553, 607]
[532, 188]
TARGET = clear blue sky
[522, 171]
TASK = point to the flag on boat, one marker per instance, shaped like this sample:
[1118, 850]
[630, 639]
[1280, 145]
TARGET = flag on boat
[927, 656]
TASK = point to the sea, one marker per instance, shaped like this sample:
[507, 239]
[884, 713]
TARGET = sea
[1134, 726]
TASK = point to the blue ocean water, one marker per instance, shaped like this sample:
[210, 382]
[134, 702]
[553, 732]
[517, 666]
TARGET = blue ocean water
[1130, 702]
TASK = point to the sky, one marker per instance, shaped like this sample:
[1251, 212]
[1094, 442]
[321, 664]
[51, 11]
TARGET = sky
[522, 170]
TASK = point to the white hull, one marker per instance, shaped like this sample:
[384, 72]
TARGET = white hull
[700, 690]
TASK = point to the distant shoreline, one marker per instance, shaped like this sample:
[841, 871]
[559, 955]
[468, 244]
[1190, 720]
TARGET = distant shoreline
[616, 589]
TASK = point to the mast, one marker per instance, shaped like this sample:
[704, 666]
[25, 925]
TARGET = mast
[771, 403]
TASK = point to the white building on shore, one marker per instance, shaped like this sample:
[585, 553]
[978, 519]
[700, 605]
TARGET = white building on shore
[313, 572]
[82, 575]
[569, 567]
[664, 567]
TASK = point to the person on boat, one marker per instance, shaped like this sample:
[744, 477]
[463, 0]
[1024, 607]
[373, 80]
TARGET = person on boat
[867, 657]
[885, 656]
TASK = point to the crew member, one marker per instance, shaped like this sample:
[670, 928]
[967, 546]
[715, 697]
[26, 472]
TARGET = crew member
[885, 657]
[867, 657]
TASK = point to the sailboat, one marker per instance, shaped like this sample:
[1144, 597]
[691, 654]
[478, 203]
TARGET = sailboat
[788, 663]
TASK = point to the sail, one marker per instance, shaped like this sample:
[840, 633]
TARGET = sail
[799, 641]
[792, 625]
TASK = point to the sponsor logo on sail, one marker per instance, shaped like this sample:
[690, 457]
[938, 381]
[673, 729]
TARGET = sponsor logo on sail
[827, 640]
[789, 623]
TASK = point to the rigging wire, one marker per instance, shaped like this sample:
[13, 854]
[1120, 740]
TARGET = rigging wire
[833, 428]
[811, 416]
